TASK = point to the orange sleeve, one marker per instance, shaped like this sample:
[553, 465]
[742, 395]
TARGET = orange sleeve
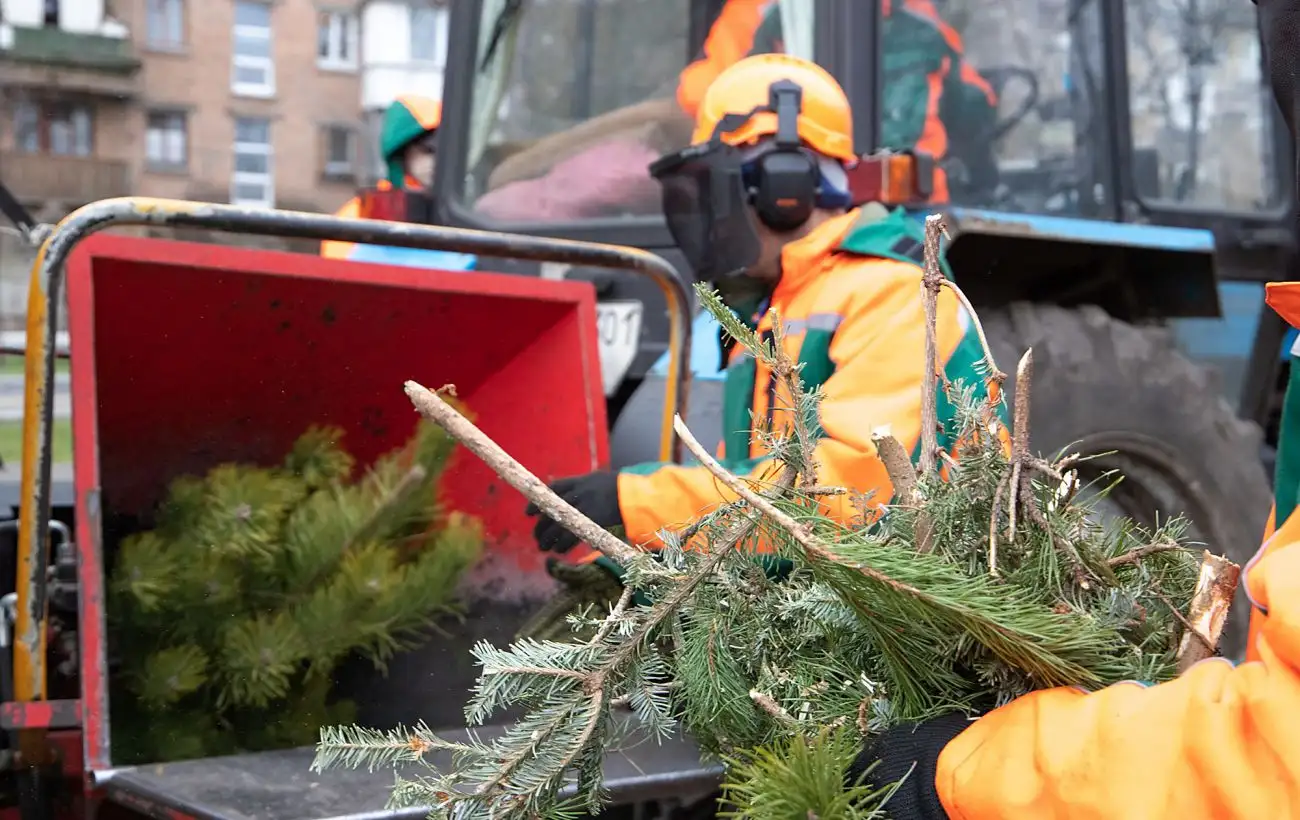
[879, 355]
[335, 249]
[730, 38]
[1219, 741]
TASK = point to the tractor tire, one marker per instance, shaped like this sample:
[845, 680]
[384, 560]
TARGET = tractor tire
[1101, 385]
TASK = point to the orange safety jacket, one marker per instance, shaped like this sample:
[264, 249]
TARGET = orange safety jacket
[336, 249]
[1220, 741]
[850, 304]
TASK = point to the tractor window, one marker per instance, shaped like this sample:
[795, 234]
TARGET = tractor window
[1007, 95]
[1201, 109]
[572, 101]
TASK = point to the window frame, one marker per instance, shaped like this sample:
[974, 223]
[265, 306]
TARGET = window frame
[343, 31]
[172, 116]
[266, 88]
[339, 174]
[165, 14]
[47, 112]
[266, 179]
[1167, 210]
[441, 24]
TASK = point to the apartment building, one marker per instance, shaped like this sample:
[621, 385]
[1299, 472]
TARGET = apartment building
[244, 101]
[255, 102]
[403, 51]
[247, 101]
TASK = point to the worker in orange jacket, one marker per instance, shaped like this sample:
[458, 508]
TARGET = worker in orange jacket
[407, 142]
[931, 91]
[759, 205]
[1220, 741]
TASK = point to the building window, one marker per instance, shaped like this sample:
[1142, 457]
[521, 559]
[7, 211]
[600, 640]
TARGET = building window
[429, 32]
[51, 16]
[54, 127]
[166, 135]
[253, 182]
[336, 40]
[338, 152]
[27, 127]
[253, 69]
[165, 24]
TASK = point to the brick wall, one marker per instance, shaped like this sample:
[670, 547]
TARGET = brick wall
[197, 81]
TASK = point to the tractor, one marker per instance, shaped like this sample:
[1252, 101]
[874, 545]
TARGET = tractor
[1120, 214]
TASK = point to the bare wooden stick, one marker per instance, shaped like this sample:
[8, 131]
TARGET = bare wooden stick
[931, 284]
[1019, 435]
[996, 375]
[768, 704]
[1136, 555]
[903, 476]
[433, 408]
[1208, 611]
[898, 465]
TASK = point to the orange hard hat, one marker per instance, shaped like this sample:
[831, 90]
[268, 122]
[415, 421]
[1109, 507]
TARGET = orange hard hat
[825, 117]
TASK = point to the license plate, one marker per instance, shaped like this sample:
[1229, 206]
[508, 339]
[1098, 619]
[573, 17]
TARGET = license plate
[618, 329]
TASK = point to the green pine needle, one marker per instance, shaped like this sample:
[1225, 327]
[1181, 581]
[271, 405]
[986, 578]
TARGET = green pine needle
[259, 657]
[318, 459]
[170, 674]
[146, 572]
[233, 614]
[800, 778]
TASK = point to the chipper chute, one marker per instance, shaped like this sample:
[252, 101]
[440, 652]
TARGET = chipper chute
[186, 356]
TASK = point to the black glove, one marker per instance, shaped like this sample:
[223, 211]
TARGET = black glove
[595, 494]
[897, 749]
[581, 585]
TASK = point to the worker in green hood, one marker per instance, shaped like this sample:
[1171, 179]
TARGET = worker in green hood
[406, 143]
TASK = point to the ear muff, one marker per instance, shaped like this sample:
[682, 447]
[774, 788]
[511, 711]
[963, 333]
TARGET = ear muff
[785, 180]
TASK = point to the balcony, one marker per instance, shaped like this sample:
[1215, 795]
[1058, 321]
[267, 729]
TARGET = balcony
[72, 181]
[69, 61]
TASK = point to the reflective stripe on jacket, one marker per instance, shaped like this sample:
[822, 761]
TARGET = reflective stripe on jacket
[1220, 741]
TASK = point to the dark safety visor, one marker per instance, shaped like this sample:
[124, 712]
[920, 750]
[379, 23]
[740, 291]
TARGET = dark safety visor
[706, 204]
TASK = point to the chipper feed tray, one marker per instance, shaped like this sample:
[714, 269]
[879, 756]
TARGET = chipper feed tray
[185, 356]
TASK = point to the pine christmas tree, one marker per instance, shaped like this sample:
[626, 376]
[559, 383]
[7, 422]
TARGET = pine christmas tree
[986, 576]
[232, 614]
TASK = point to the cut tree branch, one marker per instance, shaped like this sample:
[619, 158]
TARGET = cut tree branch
[1208, 611]
[433, 408]
[995, 374]
[931, 284]
[1136, 556]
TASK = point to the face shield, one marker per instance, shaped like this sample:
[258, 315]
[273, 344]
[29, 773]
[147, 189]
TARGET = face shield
[706, 205]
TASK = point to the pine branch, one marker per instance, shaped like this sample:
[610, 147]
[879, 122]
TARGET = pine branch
[844, 628]
[411, 482]
[432, 407]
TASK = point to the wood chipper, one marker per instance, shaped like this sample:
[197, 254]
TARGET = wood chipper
[185, 356]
